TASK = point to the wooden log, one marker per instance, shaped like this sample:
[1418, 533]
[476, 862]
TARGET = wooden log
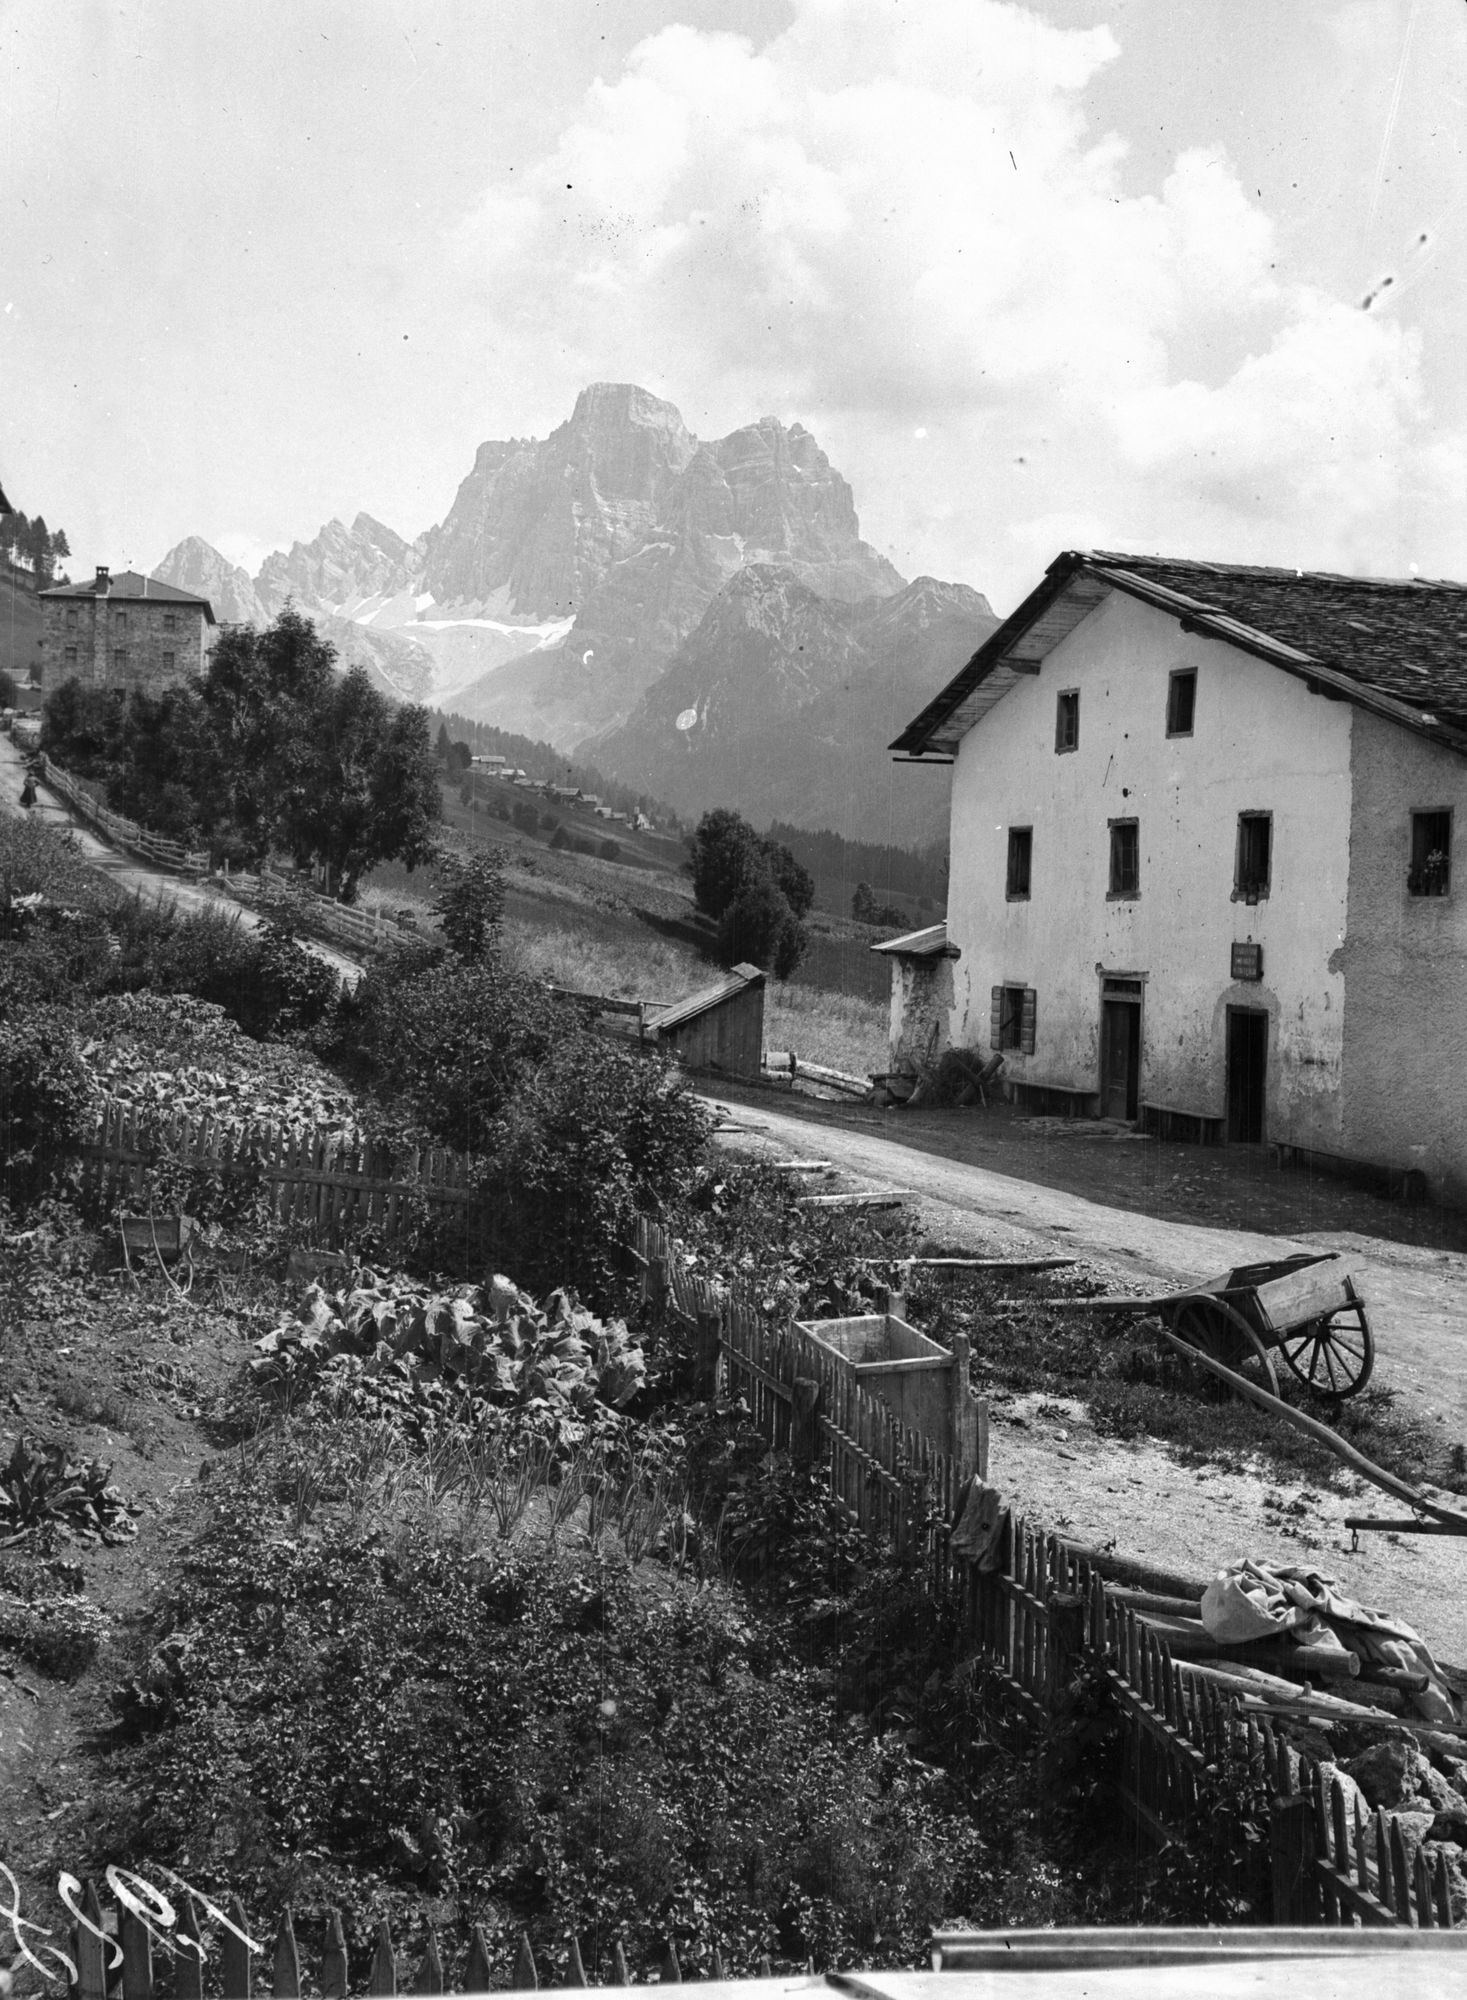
[885, 1198]
[1149, 1601]
[1133, 1572]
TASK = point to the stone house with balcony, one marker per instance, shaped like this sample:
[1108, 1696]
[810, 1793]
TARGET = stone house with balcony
[123, 631]
[1204, 866]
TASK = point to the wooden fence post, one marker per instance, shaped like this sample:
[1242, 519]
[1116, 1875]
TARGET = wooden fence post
[963, 1440]
[526, 1979]
[1066, 1641]
[575, 1971]
[620, 1975]
[334, 1970]
[137, 1956]
[285, 1966]
[88, 1949]
[188, 1977]
[657, 1283]
[804, 1430]
[707, 1344]
[237, 1974]
[1291, 1860]
[476, 1971]
[382, 1979]
[889, 1300]
[671, 1972]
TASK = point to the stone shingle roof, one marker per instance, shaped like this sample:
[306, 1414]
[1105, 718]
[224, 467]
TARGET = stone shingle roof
[1406, 638]
[1397, 645]
[129, 586]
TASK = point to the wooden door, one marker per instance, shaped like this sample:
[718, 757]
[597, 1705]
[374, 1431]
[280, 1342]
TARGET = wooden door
[1247, 1073]
[1120, 1059]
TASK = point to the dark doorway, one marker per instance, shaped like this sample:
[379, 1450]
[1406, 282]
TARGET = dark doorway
[1120, 1058]
[1247, 1068]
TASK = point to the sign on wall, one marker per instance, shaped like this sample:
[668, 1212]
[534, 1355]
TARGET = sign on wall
[1247, 961]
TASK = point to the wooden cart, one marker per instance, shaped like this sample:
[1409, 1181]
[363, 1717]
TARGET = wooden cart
[1305, 1308]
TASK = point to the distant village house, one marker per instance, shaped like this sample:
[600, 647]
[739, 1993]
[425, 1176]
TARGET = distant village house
[124, 631]
[1203, 874]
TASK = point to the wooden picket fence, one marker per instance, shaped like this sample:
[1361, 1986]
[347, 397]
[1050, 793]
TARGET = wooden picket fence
[328, 1184]
[119, 1955]
[1038, 1610]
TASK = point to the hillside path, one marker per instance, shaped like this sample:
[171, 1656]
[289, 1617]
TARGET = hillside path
[135, 876]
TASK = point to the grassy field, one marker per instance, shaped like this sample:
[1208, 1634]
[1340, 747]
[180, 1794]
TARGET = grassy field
[629, 930]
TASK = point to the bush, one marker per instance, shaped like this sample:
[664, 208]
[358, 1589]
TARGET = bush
[532, 1738]
[610, 850]
[44, 1102]
[470, 905]
[759, 926]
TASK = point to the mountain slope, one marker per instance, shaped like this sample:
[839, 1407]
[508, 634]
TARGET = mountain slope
[782, 703]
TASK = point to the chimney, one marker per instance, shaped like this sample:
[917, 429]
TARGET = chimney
[104, 581]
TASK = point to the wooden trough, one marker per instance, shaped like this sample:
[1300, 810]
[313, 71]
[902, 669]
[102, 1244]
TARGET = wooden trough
[924, 1385]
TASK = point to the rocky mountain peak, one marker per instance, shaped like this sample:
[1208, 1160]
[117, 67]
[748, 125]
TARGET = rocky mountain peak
[196, 565]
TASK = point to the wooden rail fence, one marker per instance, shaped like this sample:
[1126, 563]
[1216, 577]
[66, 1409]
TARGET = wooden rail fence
[330, 1184]
[1038, 1611]
[120, 830]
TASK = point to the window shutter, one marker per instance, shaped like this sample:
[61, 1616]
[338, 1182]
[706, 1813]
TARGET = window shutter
[995, 1020]
[1026, 1026]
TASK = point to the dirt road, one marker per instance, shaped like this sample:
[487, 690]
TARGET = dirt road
[1417, 1294]
[1045, 1455]
[138, 877]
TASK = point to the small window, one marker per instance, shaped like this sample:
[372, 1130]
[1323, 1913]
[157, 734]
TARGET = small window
[71, 620]
[119, 658]
[1067, 720]
[71, 656]
[1431, 854]
[1125, 857]
[1255, 852]
[1012, 1018]
[170, 621]
[119, 618]
[1181, 702]
[1021, 856]
[168, 659]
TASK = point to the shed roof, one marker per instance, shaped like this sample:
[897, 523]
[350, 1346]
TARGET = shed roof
[929, 943]
[130, 586]
[740, 980]
[1397, 646]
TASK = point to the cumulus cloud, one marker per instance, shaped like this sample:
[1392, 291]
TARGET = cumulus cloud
[892, 221]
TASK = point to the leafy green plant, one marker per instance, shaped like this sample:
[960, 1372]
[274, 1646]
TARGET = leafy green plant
[489, 1343]
[43, 1102]
[43, 1488]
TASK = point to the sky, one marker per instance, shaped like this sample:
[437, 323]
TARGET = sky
[1179, 276]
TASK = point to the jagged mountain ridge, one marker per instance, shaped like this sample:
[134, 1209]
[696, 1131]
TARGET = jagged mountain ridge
[783, 703]
[572, 570]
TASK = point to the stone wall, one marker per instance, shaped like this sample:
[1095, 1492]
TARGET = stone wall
[120, 642]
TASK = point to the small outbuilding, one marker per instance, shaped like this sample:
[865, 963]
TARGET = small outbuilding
[921, 995]
[719, 1028]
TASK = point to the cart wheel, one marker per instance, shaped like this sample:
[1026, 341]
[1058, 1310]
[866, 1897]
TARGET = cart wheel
[1332, 1356]
[1214, 1327]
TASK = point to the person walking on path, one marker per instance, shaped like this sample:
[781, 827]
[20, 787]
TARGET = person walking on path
[28, 792]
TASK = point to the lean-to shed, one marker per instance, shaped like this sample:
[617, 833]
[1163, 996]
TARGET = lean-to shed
[720, 1028]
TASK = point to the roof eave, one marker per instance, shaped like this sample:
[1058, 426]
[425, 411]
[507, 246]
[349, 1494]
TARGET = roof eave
[922, 737]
